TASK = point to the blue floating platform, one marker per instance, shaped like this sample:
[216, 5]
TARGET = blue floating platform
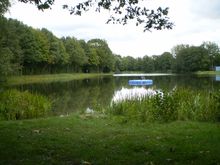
[140, 82]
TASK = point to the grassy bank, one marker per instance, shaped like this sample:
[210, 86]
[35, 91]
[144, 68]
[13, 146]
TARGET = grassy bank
[80, 139]
[208, 73]
[28, 79]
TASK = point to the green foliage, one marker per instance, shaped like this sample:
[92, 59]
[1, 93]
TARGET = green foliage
[213, 53]
[30, 47]
[164, 62]
[179, 104]
[15, 105]
[103, 52]
[57, 53]
[10, 51]
[6, 68]
[4, 5]
[164, 106]
[192, 59]
[148, 64]
[76, 54]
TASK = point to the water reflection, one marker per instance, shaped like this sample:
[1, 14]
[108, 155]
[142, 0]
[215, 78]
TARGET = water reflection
[132, 94]
[73, 96]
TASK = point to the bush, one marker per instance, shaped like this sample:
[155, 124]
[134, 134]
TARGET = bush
[16, 105]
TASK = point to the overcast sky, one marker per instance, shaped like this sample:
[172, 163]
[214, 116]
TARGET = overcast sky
[195, 21]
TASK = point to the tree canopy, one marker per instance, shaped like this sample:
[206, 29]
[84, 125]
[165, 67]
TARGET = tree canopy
[25, 50]
[121, 11]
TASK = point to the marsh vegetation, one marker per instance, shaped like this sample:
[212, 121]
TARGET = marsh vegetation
[16, 105]
[164, 106]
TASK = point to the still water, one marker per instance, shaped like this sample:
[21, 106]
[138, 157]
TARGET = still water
[78, 95]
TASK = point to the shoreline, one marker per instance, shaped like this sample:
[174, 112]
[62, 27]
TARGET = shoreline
[47, 78]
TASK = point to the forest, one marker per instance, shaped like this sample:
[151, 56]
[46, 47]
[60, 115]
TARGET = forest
[26, 51]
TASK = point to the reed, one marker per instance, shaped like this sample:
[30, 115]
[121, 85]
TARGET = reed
[165, 106]
[16, 105]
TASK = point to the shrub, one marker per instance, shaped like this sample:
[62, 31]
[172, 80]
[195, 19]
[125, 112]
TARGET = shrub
[15, 105]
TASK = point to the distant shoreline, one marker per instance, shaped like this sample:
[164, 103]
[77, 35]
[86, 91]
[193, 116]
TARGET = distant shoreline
[142, 74]
[208, 73]
[47, 78]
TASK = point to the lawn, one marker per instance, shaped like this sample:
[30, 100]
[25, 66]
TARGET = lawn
[99, 140]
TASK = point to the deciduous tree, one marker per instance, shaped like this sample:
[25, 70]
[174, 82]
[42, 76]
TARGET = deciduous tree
[104, 53]
[77, 56]
[213, 52]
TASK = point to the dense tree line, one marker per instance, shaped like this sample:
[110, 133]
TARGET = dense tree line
[182, 59]
[25, 50]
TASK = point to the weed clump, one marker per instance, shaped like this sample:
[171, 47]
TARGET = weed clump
[16, 105]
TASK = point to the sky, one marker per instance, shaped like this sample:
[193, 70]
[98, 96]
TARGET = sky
[195, 21]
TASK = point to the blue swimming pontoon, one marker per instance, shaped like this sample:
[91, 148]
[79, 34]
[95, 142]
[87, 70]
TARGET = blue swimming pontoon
[140, 82]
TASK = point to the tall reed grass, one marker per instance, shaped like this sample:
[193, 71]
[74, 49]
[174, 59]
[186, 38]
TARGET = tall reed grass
[179, 104]
[16, 105]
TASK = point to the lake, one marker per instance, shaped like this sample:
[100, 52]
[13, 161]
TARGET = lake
[78, 95]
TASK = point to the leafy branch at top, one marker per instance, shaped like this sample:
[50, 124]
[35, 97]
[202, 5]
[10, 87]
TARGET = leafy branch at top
[121, 11]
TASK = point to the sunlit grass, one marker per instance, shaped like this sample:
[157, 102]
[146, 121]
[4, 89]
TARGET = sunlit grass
[29, 79]
[208, 73]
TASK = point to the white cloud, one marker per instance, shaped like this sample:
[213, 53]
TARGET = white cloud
[195, 21]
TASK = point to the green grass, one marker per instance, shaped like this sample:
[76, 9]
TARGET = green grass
[131, 72]
[208, 73]
[87, 139]
[29, 79]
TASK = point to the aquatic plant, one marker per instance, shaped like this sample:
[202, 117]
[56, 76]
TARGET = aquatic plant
[178, 104]
[15, 105]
